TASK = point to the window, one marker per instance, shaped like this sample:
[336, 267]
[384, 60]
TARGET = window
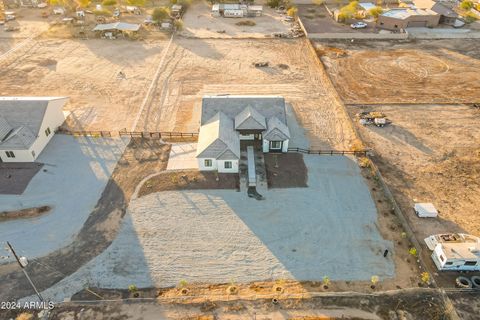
[33, 153]
[47, 132]
[228, 164]
[10, 154]
[276, 145]
[442, 258]
[470, 263]
[207, 163]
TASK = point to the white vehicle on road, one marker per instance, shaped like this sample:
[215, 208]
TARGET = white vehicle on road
[358, 25]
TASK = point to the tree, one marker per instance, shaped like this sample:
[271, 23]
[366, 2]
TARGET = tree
[160, 14]
[292, 12]
[273, 3]
[466, 4]
[348, 11]
[375, 12]
[83, 3]
[137, 3]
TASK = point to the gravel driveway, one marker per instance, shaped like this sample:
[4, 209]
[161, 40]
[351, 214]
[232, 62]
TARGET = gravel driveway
[217, 236]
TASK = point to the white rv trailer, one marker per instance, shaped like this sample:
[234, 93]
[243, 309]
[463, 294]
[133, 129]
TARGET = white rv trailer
[455, 251]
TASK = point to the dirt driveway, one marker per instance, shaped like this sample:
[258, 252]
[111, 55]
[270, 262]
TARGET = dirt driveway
[404, 72]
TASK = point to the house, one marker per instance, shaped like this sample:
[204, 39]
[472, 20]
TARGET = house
[402, 18]
[228, 120]
[27, 124]
[234, 10]
[447, 15]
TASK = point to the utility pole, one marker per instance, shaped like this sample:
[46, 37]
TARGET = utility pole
[25, 271]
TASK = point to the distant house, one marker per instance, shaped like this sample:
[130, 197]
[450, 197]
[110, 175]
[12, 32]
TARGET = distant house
[447, 15]
[402, 18]
[27, 124]
[227, 120]
[235, 10]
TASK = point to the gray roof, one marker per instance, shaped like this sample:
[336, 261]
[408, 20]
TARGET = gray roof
[218, 139]
[23, 118]
[121, 26]
[267, 106]
[277, 130]
[444, 11]
[250, 119]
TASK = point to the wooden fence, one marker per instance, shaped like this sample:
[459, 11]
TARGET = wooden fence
[328, 152]
[131, 134]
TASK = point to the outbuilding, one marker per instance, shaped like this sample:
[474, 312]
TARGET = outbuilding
[403, 18]
[27, 124]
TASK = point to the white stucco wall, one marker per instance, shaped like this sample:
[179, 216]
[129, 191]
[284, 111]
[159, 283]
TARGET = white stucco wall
[266, 146]
[221, 166]
[52, 119]
[201, 164]
[20, 156]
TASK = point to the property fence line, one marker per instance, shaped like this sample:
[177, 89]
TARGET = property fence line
[328, 152]
[131, 134]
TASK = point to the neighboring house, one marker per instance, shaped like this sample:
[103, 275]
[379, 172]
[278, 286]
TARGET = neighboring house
[402, 18]
[226, 120]
[235, 10]
[27, 124]
[447, 15]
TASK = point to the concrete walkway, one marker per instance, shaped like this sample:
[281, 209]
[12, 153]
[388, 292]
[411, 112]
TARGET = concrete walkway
[182, 156]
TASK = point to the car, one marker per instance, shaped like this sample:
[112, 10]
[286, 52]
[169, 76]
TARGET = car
[9, 17]
[358, 25]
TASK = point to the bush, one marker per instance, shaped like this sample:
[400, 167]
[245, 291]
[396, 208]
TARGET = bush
[178, 24]
[248, 23]
[273, 3]
[466, 4]
[318, 2]
[375, 12]
[103, 12]
[109, 2]
[160, 14]
[470, 17]
[348, 11]
[136, 3]
[292, 12]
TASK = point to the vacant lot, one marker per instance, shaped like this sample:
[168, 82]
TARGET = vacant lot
[403, 72]
[199, 23]
[86, 71]
[431, 154]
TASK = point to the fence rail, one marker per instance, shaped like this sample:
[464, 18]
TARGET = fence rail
[131, 134]
[328, 152]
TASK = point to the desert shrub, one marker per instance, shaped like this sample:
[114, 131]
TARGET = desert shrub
[311, 10]
[470, 17]
[160, 14]
[309, 16]
[292, 12]
[137, 3]
[103, 12]
[318, 2]
[83, 3]
[248, 23]
[109, 2]
[375, 12]
[273, 3]
[178, 24]
[466, 4]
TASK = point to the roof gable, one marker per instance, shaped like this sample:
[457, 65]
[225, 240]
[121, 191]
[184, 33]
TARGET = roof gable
[250, 119]
[227, 155]
[277, 130]
[216, 136]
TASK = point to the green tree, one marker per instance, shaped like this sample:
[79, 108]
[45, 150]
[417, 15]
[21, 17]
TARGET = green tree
[348, 11]
[160, 14]
[109, 2]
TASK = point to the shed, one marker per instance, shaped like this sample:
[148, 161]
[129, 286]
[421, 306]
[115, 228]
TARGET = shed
[425, 210]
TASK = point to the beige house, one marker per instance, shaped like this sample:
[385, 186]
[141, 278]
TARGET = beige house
[402, 18]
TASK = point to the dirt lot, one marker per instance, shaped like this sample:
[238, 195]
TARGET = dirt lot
[404, 72]
[197, 67]
[199, 23]
[412, 304]
[430, 154]
[86, 71]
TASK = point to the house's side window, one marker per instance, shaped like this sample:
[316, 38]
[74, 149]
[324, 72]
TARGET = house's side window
[470, 263]
[10, 154]
[228, 164]
[275, 145]
[47, 132]
[208, 162]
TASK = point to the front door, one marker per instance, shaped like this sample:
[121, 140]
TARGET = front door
[276, 146]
